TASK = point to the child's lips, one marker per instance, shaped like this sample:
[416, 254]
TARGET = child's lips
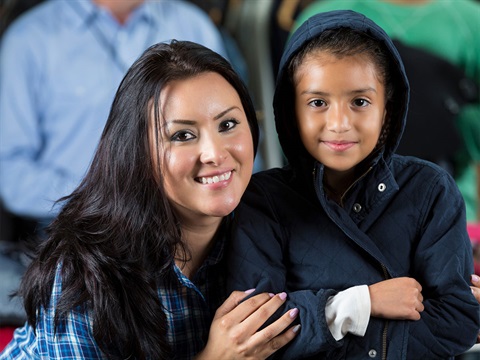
[339, 145]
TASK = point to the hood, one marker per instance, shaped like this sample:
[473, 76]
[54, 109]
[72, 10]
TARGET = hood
[283, 102]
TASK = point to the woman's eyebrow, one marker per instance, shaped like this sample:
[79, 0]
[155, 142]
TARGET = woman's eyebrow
[180, 121]
[224, 112]
[192, 122]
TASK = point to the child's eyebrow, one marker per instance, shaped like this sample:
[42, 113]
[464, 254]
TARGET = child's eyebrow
[314, 92]
[364, 90]
[353, 92]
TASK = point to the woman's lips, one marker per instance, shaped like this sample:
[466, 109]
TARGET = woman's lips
[214, 179]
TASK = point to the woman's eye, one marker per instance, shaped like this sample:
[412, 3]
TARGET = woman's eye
[317, 103]
[360, 102]
[227, 125]
[182, 136]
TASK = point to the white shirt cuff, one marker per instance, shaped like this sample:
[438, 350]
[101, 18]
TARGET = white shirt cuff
[348, 312]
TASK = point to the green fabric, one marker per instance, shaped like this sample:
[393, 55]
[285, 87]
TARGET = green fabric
[448, 28]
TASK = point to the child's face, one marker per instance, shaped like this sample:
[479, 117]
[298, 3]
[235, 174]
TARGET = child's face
[340, 108]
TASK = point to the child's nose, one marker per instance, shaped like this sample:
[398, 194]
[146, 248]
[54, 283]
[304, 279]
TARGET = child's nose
[337, 119]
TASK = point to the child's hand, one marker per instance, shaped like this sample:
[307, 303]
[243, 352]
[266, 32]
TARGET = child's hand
[475, 279]
[399, 299]
[234, 332]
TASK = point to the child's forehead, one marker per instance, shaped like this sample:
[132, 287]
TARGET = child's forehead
[319, 67]
[325, 57]
[322, 54]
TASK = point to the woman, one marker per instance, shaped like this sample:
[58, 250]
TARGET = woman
[133, 264]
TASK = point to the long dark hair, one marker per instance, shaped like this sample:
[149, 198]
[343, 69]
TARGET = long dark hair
[117, 233]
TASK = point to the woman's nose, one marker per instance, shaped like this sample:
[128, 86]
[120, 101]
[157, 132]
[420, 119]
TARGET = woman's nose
[213, 150]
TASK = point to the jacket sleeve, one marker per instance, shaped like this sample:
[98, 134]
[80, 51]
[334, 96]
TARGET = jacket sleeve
[257, 259]
[443, 263]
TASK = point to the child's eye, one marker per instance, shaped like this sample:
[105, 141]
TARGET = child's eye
[317, 103]
[361, 102]
[227, 125]
[182, 135]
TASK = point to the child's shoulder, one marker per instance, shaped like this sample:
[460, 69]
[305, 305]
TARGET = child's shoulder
[415, 164]
[417, 170]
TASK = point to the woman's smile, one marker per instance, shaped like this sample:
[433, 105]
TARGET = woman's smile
[215, 178]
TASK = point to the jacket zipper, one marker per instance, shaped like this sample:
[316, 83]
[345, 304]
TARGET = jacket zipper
[385, 328]
[314, 173]
[384, 269]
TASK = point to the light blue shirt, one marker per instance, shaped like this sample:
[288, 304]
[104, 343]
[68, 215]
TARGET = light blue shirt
[60, 65]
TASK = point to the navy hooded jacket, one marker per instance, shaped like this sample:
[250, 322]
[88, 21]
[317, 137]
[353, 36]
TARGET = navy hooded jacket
[402, 217]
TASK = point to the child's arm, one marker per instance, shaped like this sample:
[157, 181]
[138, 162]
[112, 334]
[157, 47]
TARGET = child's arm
[443, 263]
[349, 311]
[397, 299]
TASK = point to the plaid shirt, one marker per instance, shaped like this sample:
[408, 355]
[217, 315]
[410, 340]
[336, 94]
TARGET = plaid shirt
[189, 308]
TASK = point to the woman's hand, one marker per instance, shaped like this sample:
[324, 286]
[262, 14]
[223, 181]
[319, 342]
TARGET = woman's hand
[475, 279]
[235, 333]
[398, 299]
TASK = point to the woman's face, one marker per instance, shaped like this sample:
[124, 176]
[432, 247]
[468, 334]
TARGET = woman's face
[340, 109]
[206, 150]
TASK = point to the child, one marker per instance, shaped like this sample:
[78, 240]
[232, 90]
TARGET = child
[371, 246]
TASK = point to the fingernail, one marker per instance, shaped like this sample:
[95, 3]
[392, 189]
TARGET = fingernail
[296, 328]
[249, 291]
[271, 294]
[293, 313]
[283, 295]
[475, 278]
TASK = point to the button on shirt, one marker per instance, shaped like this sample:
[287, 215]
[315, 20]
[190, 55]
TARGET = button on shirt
[60, 65]
[190, 307]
